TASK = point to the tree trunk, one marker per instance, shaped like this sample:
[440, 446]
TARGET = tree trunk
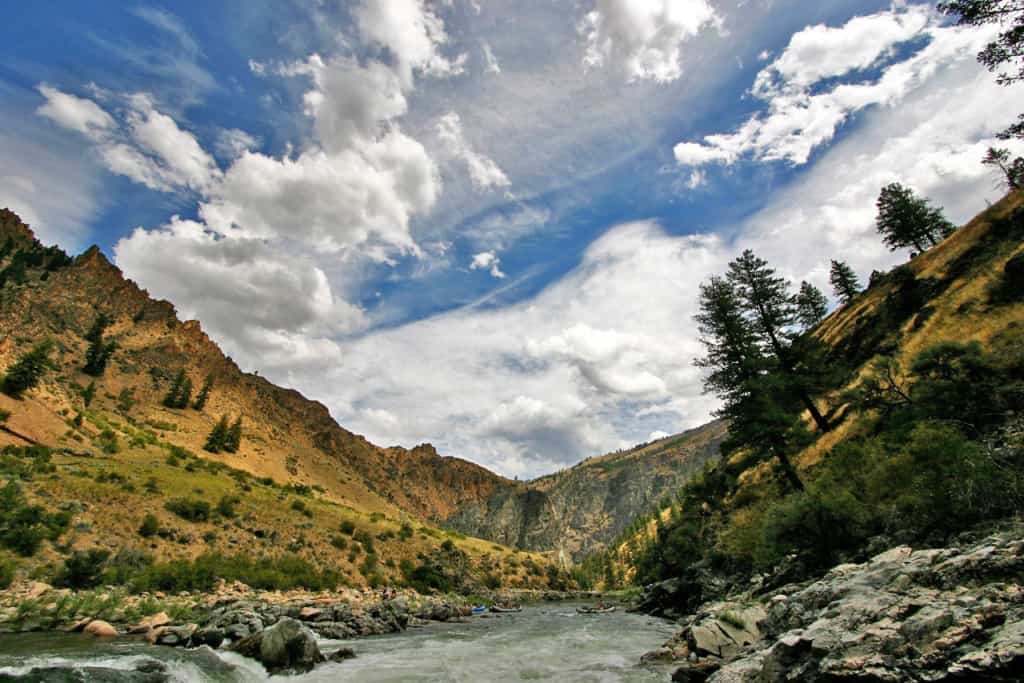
[816, 415]
[790, 472]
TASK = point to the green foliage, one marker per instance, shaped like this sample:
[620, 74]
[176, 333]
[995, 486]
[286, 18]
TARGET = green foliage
[1008, 46]
[844, 281]
[180, 393]
[226, 506]
[811, 305]
[25, 462]
[191, 509]
[28, 370]
[7, 570]
[99, 352]
[82, 570]
[425, 578]
[339, 542]
[233, 438]
[24, 527]
[348, 527]
[107, 441]
[1011, 169]
[283, 572]
[150, 526]
[905, 220]
[204, 393]
[406, 532]
[89, 393]
[218, 436]
[365, 539]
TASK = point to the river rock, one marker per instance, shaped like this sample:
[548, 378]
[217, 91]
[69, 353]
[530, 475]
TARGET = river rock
[208, 635]
[100, 629]
[147, 671]
[151, 622]
[286, 647]
[341, 654]
[931, 615]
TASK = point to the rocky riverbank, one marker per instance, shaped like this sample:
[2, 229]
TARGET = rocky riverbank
[276, 628]
[949, 614]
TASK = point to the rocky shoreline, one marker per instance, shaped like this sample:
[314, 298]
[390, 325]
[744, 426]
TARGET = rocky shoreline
[278, 629]
[948, 614]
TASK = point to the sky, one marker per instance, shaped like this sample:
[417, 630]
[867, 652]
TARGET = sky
[483, 224]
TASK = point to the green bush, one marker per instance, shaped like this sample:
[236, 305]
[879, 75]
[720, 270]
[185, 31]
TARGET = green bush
[190, 509]
[365, 539]
[24, 527]
[150, 526]
[348, 527]
[82, 569]
[7, 570]
[285, 572]
[226, 506]
[28, 370]
[339, 542]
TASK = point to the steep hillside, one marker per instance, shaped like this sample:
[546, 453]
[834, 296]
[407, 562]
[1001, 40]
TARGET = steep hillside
[926, 436]
[119, 453]
[581, 509]
[288, 437]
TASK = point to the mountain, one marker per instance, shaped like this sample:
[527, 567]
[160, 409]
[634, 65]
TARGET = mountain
[581, 509]
[126, 432]
[926, 438]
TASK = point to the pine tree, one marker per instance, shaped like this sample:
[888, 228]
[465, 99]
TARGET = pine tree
[174, 395]
[772, 310]
[811, 305]
[99, 351]
[844, 281]
[217, 439]
[28, 370]
[1011, 169]
[204, 393]
[184, 394]
[89, 393]
[905, 220]
[233, 441]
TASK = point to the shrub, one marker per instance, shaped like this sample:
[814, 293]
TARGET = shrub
[348, 527]
[28, 370]
[6, 574]
[365, 539]
[339, 542]
[405, 533]
[226, 506]
[284, 572]
[150, 526]
[190, 509]
[82, 569]
[24, 527]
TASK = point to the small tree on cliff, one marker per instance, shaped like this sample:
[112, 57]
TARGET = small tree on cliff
[811, 305]
[218, 437]
[204, 393]
[99, 351]
[28, 370]
[844, 281]
[180, 393]
[905, 220]
[233, 440]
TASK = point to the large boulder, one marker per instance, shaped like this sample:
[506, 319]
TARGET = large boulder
[100, 629]
[286, 647]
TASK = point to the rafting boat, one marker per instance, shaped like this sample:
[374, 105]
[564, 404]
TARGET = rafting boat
[479, 608]
[499, 609]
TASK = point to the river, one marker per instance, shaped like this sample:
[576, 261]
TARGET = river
[546, 642]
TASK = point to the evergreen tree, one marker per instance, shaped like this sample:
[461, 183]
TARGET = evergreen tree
[184, 394]
[204, 393]
[99, 351]
[905, 220]
[233, 440]
[811, 305]
[180, 392]
[844, 281]
[28, 370]
[218, 437]
[1012, 170]
[89, 393]
[1008, 46]
[772, 310]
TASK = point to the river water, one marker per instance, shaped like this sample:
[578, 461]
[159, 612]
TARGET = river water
[548, 642]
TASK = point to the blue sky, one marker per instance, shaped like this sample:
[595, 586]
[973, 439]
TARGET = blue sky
[475, 223]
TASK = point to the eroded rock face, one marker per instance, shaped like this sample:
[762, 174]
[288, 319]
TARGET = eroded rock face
[285, 647]
[954, 614]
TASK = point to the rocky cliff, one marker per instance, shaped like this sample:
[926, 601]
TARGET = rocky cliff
[930, 614]
[587, 506]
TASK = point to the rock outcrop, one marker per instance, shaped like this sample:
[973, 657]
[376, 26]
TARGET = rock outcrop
[953, 614]
[286, 647]
[585, 507]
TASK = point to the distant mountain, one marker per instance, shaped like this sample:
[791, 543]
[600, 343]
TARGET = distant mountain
[583, 508]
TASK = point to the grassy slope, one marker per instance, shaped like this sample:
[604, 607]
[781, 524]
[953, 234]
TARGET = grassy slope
[968, 266]
[287, 437]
